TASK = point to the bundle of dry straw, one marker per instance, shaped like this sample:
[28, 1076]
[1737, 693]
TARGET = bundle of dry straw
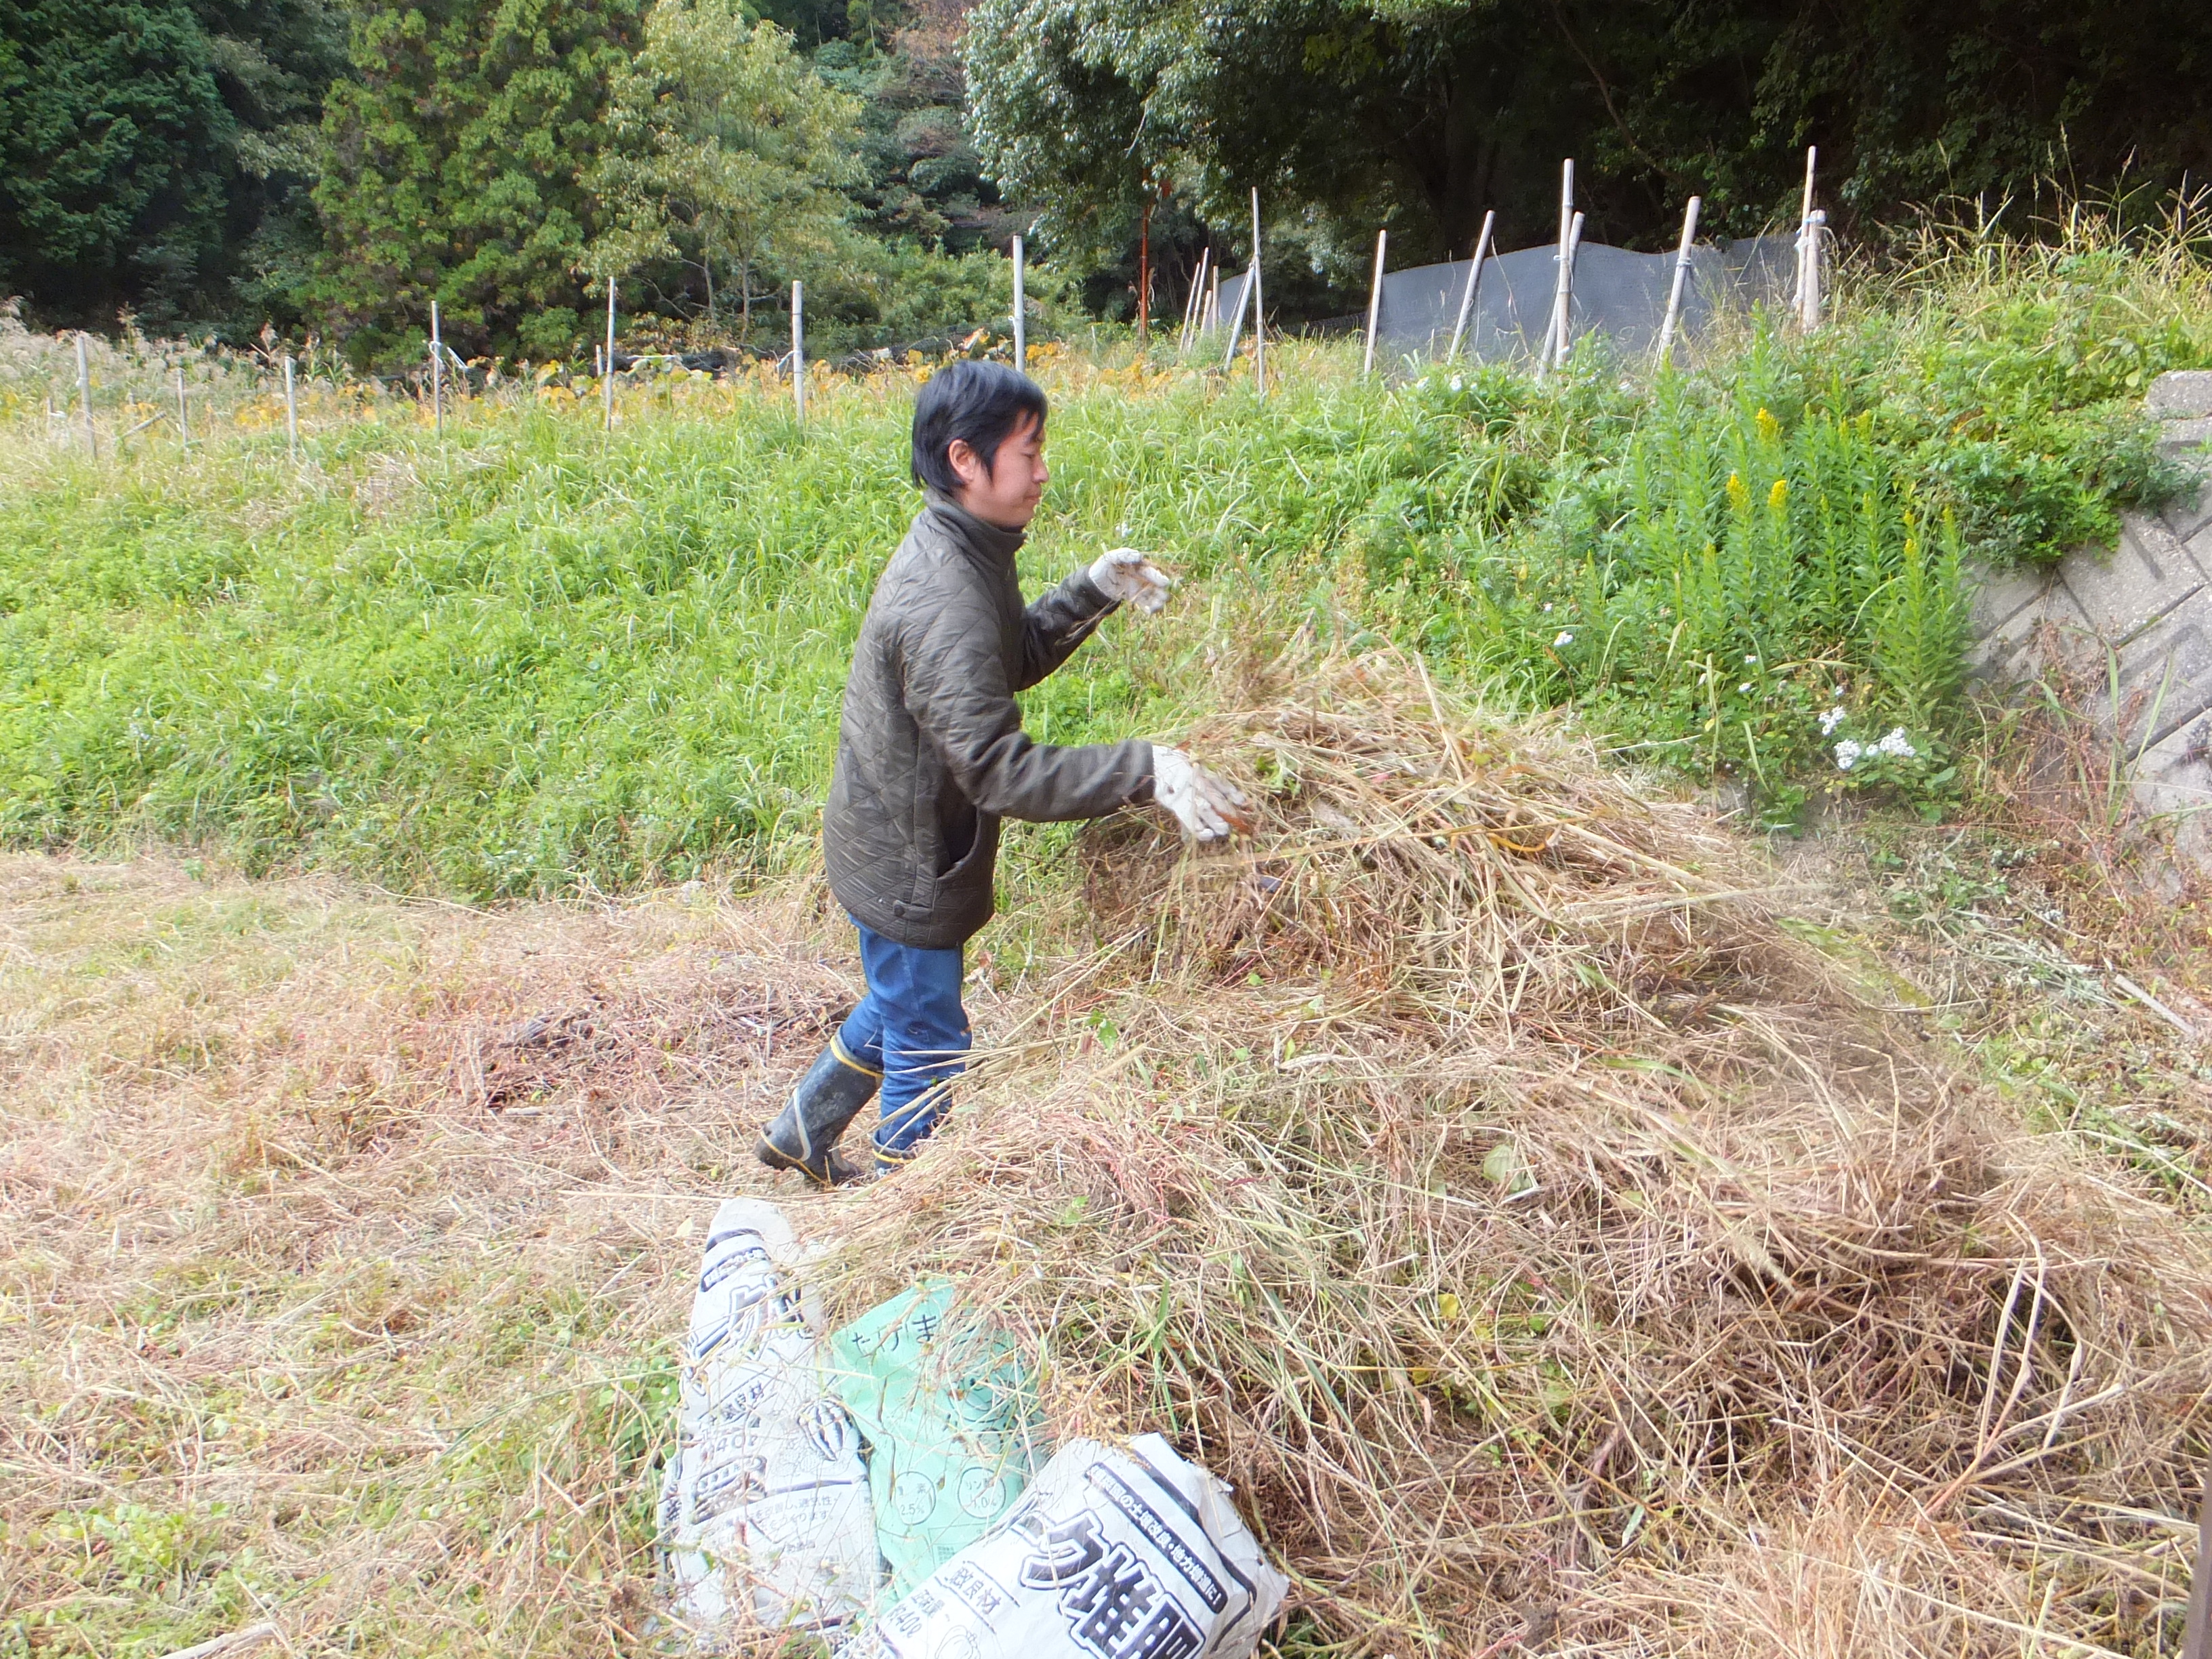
[1479, 1170]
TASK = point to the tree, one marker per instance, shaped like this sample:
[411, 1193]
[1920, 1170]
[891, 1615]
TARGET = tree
[153, 154]
[455, 170]
[1420, 114]
[731, 156]
[925, 176]
[113, 137]
[274, 62]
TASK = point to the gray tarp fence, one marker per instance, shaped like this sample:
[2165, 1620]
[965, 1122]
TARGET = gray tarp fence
[1621, 295]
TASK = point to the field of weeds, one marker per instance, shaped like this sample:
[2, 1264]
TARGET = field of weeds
[521, 655]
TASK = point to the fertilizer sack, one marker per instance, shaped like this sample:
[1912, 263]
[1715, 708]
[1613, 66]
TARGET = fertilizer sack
[1110, 1554]
[765, 1521]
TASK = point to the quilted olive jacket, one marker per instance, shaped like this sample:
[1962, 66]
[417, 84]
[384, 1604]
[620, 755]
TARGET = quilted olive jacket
[932, 754]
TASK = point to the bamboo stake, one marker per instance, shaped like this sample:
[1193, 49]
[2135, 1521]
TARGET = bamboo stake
[1214, 299]
[1681, 277]
[1375, 300]
[84, 397]
[1021, 330]
[291, 412]
[799, 346]
[1474, 285]
[1237, 325]
[184, 428]
[1574, 258]
[1804, 220]
[1259, 305]
[1144, 276]
[1194, 304]
[607, 378]
[437, 376]
[1816, 228]
[1566, 295]
[1559, 280]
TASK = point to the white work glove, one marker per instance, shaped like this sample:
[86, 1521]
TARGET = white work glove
[1128, 577]
[1208, 807]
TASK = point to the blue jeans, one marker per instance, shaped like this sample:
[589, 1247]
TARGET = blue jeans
[911, 1030]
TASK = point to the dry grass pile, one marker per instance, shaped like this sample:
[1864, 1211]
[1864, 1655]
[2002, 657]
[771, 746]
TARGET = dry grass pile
[1480, 1170]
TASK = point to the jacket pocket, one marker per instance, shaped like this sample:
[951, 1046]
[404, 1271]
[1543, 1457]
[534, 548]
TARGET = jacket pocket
[973, 866]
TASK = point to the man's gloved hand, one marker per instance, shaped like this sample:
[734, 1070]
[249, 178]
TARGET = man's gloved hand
[1127, 576]
[1207, 806]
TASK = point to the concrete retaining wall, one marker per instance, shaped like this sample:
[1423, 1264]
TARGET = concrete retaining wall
[2137, 622]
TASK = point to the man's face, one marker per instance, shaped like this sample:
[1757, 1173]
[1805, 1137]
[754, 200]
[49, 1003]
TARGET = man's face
[1005, 493]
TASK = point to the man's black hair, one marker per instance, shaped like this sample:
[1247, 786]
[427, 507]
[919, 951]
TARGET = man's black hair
[980, 402]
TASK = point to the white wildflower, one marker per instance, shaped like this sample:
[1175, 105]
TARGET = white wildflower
[1458, 385]
[1745, 688]
[1832, 719]
[1748, 657]
[1548, 607]
[1847, 755]
[1897, 744]
[1565, 638]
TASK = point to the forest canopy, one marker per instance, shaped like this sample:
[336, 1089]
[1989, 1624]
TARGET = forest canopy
[333, 165]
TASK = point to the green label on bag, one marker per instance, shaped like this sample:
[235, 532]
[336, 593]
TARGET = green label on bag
[949, 1412]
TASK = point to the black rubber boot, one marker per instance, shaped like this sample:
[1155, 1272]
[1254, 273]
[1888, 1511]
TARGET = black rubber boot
[827, 1098]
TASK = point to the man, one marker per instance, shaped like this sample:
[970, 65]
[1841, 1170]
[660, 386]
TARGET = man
[931, 755]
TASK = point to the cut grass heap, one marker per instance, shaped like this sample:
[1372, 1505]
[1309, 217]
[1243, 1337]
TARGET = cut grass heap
[1480, 1174]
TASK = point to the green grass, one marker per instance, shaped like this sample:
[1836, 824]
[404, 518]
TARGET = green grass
[527, 657]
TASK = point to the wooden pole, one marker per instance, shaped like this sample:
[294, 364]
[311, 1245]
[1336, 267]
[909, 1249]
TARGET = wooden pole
[1558, 323]
[291, 412]
[1259, 305]
[799, 346]
[84, 397]
[1214, 299]
[1021, 320]
[184, 428]
[437, 376]
[1474, 285]
[1375, 300]
[1681, 277]
[607, 380]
